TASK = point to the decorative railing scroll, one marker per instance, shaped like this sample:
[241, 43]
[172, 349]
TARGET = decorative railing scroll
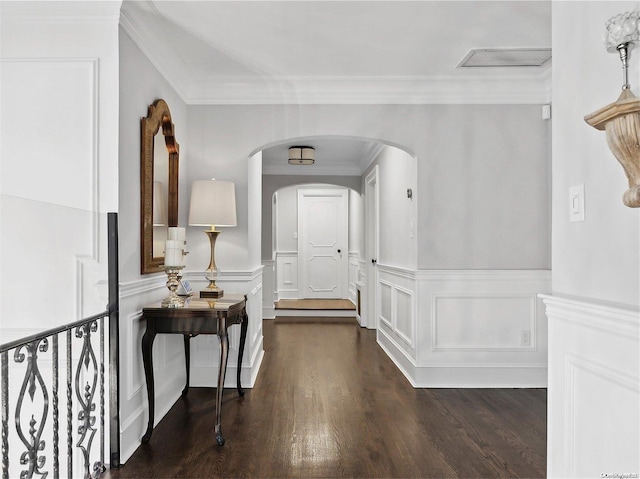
[34, 444]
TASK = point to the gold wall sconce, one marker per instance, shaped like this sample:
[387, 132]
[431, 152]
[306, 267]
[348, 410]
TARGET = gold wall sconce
[621, 119]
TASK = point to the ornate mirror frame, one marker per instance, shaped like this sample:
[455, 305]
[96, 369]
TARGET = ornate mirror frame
[157, 116]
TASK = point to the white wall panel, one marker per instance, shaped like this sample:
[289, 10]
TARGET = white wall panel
[594, 388]
[405, 314]
[268, 289]
[397, 321]
[205, 348]
[287, 274]
[354, 275]
[464, 328]
[486, 322]
[68, 144]
[386, 305]
[131, 338]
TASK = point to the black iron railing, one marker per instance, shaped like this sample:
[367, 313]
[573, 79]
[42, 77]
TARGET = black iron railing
[31, 399]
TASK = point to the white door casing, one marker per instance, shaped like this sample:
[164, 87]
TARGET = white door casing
[371, 247]
[323, 242]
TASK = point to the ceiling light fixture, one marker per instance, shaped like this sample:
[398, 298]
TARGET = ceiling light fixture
[301, 155]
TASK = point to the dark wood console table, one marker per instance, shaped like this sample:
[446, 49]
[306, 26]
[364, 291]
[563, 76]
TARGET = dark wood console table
[197, 316]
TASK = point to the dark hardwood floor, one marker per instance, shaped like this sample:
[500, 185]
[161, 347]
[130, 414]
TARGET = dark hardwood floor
[329, 403]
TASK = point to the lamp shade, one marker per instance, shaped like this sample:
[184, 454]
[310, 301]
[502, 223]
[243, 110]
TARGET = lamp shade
[213, 203]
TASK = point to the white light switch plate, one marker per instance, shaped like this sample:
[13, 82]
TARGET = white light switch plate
[576, 203]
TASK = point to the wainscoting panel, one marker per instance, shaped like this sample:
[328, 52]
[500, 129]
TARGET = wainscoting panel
[483, 322]
[268, 289]
[404, 315]
[287, 274]
[600, 384]
[134, 376]
[354, 275]
[205, 348]
[594, 388]
[465, 328]
[169, 371]
[397, 312]
[386, 305]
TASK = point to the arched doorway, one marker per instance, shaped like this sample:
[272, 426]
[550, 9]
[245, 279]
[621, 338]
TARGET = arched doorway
[341, 162]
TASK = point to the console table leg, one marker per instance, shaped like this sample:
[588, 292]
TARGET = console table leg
[187, 360]
[147, 359]
[224, 356]
[243, 337]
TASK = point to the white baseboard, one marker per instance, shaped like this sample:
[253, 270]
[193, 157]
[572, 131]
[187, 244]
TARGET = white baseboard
[325, 313]
[268, 311]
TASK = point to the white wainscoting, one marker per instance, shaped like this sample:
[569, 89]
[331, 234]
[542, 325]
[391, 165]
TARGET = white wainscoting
[463, 328]
[268, 289]
[168, 350]
[354, 275]
[204, 348]
[594, 392]
[397, 310]
[287, 274]
[134, 295]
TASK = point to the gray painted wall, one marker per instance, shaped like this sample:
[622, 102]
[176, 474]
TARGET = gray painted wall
[483, 172]
[398, 232]
[137, 92]
[598, 258]
[485, 189]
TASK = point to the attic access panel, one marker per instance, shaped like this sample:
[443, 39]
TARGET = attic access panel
[505, 57]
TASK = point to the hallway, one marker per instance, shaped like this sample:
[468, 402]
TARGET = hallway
[329, 403]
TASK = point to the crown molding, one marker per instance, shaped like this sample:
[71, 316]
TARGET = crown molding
[375, 90]
[463, 88]
[144, 41]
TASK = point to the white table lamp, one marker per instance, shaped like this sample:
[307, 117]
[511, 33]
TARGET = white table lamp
[213, 203]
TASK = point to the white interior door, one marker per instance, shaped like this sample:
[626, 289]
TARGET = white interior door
[322, 243]
[371, 247]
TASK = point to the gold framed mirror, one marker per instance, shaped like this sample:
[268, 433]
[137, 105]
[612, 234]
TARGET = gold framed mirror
[158, 184]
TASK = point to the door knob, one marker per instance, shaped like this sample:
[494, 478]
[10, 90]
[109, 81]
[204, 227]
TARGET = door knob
[374, 261]
[339, 251]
